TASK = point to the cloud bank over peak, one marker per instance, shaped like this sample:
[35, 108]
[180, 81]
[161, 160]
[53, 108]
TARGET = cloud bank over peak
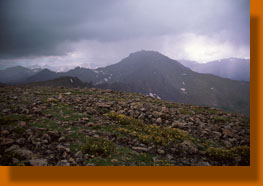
[103, 31]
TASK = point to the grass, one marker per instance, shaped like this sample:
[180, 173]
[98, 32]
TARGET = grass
[124, 156]
[63, 112]
[221, 119]
[14, 118]
[228, 155]
[98, 146]
[149, 134]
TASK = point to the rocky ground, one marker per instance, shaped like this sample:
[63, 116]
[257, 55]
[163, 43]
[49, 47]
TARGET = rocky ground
[60, 126]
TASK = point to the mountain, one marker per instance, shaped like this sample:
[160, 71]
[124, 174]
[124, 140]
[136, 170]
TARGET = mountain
[16, 74]
[43, 75]
[232, 68]
[156, 75]
[67, 82]
[84, 74]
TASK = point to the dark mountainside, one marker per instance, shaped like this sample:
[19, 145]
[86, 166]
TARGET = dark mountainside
[152, 73]
[86, 126]
[68, 82]
[232, 68]
[16, 74]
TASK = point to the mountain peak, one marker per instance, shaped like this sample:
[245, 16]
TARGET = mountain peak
[146, 53]
[148, 56]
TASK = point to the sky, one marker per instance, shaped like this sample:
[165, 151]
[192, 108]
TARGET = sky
[63, 33]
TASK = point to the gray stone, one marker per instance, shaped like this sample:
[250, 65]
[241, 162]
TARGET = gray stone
[160, 151]
[38, 162]
[188, 146]
[203, 164]
[140, 149]
[5, 132]
[21, 141]
[24, 153]
[12, 148]
[7, 141]
[63, 163]
[159, 120]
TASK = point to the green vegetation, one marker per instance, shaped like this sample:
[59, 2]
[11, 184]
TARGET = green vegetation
[13, 118]
[149, 134]
[221, 154]
[98, 146]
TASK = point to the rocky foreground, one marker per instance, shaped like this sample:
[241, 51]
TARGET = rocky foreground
[60, 126]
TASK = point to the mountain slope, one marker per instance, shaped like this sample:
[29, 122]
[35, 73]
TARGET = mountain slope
[43, 75]
[232, 68]
[152, 73]
[68, 82]
[16, 74]
[85, 127]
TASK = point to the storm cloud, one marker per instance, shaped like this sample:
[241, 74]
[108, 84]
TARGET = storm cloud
[104, 31]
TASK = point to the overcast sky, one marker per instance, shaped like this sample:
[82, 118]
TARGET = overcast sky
[102, 32]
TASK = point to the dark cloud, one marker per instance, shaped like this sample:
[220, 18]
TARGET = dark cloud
[33, 28]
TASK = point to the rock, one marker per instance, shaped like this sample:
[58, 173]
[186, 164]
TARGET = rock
[174, 124]
[160, 151]
[181, 125]
[7, 141]
[114, 160]
[169, 156]
[46, 137]
[72, 161]
[143, 109]
[103, 105]
[6, 110]
[63, 163]
[188, 146]
[89, 124]
[24, 153]
[217, 134]
[61, 139]
[12, 148]
[141, 116]
[15, 161]
[203, 164]
[22, 123]
[85, 119]
[65, 154]
[165, 109]
[60, 96]
[227, 132]
[159, 121]
[96, 136]
[38, 162]
[140, 149]
[21, 141]
[156, 114]
[155, 159]
[67, 93]
[5, 132]
[86, 156]
[78, 154]
[61, 148]
[45, 141]
[51, 100]
[90, 164]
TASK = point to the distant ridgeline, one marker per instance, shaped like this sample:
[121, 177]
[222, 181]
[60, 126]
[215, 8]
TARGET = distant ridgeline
[149, 73]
